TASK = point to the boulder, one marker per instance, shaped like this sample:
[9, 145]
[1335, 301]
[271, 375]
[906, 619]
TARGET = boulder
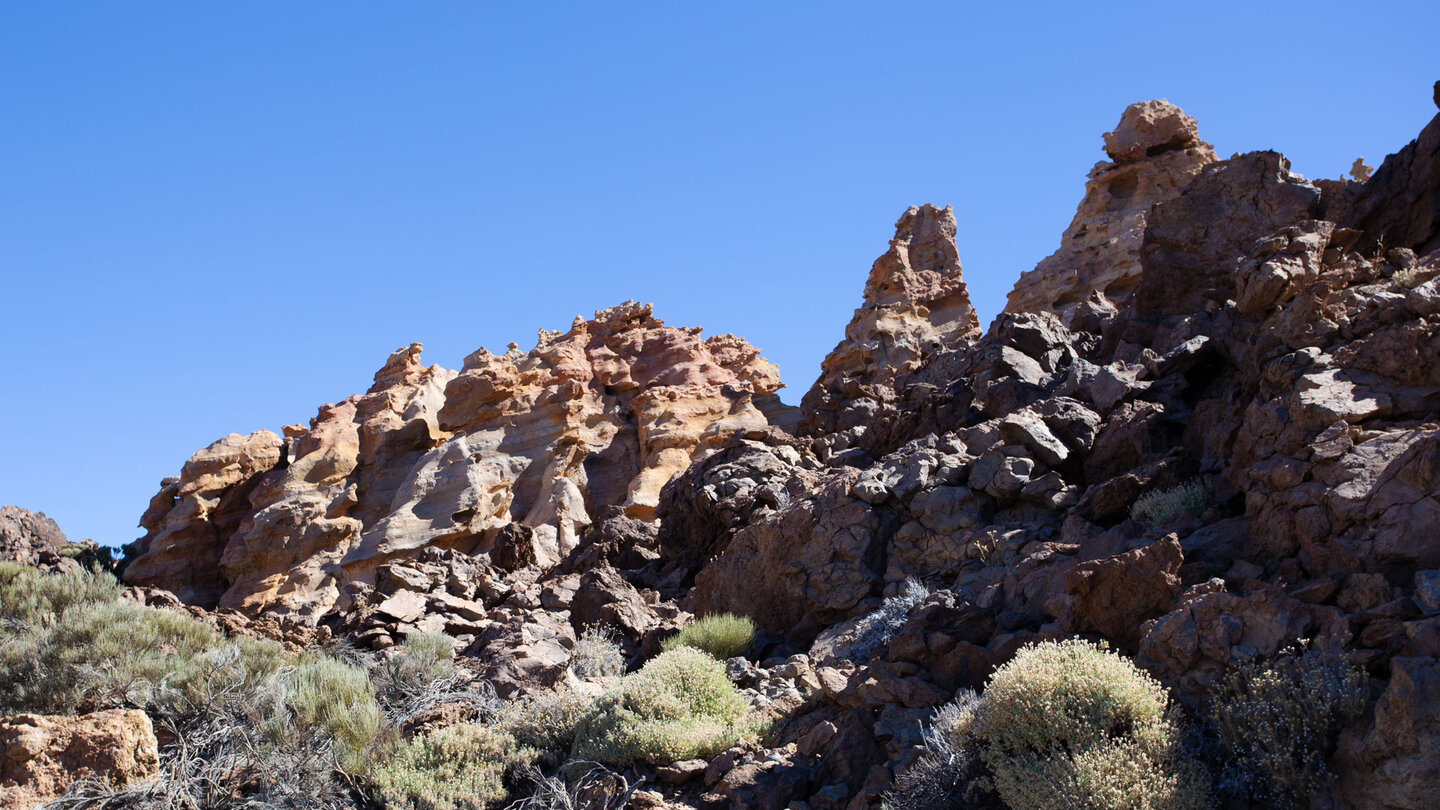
[42, 755]
[1191, 646]
[1193, 241]
[1393, 761]
[1115, 596]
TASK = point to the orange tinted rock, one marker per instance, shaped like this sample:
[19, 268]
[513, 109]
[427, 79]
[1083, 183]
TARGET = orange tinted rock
[1154, 152]
[42, 755]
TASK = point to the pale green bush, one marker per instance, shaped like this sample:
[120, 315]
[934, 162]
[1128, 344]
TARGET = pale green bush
[28, 596]
[462, 767]
[1159, 506]
[337, 700]
[1278, 720]
[723, 635]
[679, 706]
[546, 721]
[97, 656]
[597, 655]
[246, 724]
[1070, 725]
[421, 674]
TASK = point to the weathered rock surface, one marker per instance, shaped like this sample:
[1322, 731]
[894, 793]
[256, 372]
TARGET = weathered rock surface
[1192, 242]
[1116, 595]
[1224, 353]
[41, 755]
[915, 302]
[1399, 207]
[1393, 761]
[28, 538]
[599, 416]
[1154, 153]
[193, 516]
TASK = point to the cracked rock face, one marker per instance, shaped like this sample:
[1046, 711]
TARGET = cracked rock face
[1154, 152]
[595, 418]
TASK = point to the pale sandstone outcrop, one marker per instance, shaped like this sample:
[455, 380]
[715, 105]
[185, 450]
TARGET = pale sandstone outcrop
[597, 417]
[194, 515]
[1154, 152]
[42, 755]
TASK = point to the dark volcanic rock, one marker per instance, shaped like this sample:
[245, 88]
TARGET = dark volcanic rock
[1193, 241]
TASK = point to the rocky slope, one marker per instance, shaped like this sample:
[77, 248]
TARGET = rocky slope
[1257, 350]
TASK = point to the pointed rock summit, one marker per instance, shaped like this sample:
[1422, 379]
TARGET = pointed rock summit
[915, 302]
[1154, 152]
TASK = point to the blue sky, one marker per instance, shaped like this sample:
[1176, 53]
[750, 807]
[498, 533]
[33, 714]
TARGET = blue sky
[215, 217]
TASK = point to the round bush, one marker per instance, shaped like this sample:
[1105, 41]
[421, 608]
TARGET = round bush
[679, 706]
[1069, 725]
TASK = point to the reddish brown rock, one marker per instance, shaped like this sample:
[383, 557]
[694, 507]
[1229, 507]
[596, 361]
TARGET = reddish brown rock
[1154, 152]
[915, 302]
[1116, 595]
[1392, 762]
[26, 537]
[1193, 241]
[1397, 207]
[1192, 646]
[42, 755]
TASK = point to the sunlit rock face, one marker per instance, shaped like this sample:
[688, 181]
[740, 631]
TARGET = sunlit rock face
[915, 303]
[1154, 153]
[592, 421]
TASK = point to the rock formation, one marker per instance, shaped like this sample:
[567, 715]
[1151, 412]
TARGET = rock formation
[1205, 428]
[1399, 207]
[1154, 152]
[31, 538]
[525, 448]
[915, 303]
[28, 538]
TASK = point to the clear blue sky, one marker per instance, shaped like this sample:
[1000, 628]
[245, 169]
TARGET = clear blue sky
[215, 217]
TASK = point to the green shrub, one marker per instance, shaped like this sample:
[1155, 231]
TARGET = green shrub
[98, 656]
[1069, 725]
[597, 655]
[545, 722]
[1159, 506]
[679, 706]
[29, 596]
[240, 711]
[338, 700]
[723, 635]
[461, 767]
[1278, 720]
